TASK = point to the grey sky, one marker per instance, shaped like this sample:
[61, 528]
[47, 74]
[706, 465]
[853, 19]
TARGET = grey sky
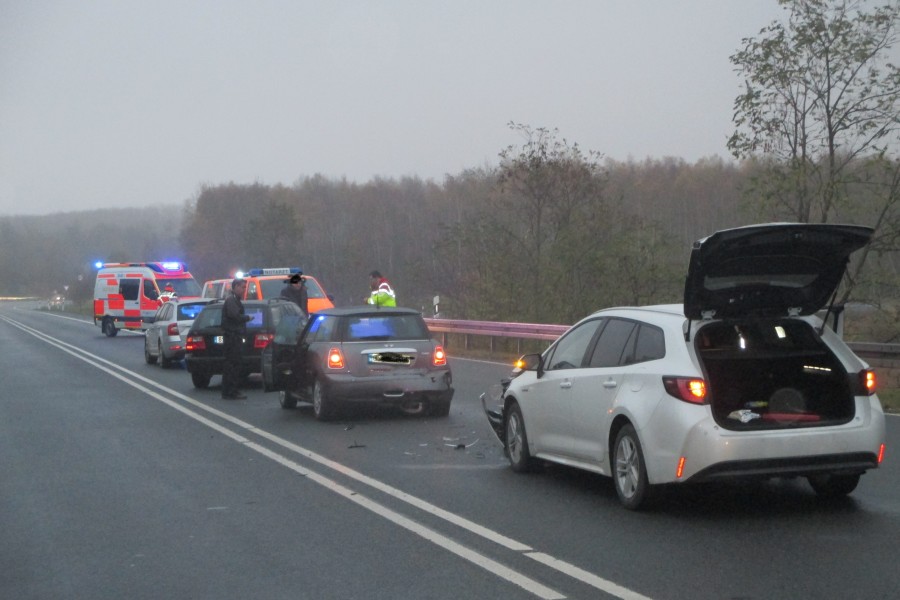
[119, 103]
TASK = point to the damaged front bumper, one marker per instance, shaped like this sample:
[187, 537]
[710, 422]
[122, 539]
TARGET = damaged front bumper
[492, 402]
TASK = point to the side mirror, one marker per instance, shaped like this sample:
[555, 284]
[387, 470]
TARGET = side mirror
[529, 362]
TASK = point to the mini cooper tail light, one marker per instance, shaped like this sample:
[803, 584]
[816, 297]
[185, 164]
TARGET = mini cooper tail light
[194, 343]
[440, 357]
[335, 359]
[688, 389]
[880, 454]
[261, 340]
[172, 329]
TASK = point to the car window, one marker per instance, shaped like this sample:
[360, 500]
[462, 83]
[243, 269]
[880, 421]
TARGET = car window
[569, 351]
[288, 330]
[271, 288]
[610, 348]
[209, 317]
[257, 316]
[322, 329]
[129, 288]
[167, 312]
[189, 312]
[313, 289]
[650, 345]
[363, 328]
[150, 290]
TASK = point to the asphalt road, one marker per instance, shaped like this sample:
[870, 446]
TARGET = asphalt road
[120, 480]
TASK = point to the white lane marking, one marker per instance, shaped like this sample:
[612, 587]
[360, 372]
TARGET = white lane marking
[488, 534]
[432, 536]
[82, 321]
[586, 577]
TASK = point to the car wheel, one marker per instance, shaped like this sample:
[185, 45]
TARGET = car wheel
[833, 486]
[201, 380]
[287, 400]
[322, 404]
[164, 362]
[517, 441]
[630, 471]
[109, 328]
[149, 358]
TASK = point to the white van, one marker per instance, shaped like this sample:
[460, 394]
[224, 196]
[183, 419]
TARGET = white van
[126, 295]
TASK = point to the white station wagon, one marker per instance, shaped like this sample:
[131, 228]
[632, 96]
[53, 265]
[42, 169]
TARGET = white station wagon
[742, 380]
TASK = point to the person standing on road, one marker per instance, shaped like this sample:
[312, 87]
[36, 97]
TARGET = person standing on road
[295, 291]
[382, 293]
[234, 326]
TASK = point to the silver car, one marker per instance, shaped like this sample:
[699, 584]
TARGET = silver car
[742, 380]
[165, 337]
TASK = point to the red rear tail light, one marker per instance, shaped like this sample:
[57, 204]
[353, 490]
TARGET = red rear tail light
[440, 358]
[261, 340]
[172, 329]
[688, 389]
[194, 343]
[880, 454]
[335, 359]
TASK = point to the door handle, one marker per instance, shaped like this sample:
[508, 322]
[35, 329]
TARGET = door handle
[609, 383]
[565, 385]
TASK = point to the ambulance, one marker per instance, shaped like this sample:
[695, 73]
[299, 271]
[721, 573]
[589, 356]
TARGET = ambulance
[126, 295]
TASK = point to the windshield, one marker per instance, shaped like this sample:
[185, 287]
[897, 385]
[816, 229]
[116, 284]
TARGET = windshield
[182, 287]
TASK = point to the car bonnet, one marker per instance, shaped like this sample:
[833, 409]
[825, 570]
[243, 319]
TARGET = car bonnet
[769, 270]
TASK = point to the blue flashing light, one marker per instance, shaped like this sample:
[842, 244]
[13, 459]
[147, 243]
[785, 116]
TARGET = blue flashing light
[98, 265]
[239, 275]
[171, 266]
[274, 271]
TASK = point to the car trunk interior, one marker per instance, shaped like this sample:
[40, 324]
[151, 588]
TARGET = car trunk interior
[771, 374]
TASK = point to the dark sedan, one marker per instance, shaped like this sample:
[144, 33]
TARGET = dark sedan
[362, 355]
[204, 345]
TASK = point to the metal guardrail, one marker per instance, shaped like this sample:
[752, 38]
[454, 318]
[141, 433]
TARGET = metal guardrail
[551, 332]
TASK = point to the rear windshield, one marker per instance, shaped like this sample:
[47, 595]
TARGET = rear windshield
[189, 312]
[386, 327]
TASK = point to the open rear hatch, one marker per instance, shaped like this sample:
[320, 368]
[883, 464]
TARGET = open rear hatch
[766, 369]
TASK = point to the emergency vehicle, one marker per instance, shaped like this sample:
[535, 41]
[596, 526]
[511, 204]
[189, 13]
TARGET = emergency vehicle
[268, 283]
[127, 295]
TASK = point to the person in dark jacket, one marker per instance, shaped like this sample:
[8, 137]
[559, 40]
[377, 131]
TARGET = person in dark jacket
[295, 291]
[234, 327]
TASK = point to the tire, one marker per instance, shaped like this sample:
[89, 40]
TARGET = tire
[149, 358]
[520, 458]
[323, 406]
[164, 362]
[630, 471]
[439, 408]
[201, 380]
[833, 486]
[287, 400]
[108, 327]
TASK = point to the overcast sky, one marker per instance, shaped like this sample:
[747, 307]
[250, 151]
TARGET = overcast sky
[120, 103]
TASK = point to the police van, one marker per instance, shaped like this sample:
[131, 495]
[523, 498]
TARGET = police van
[126, 295]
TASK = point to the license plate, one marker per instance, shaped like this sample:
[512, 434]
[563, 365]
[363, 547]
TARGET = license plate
[219, 339]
